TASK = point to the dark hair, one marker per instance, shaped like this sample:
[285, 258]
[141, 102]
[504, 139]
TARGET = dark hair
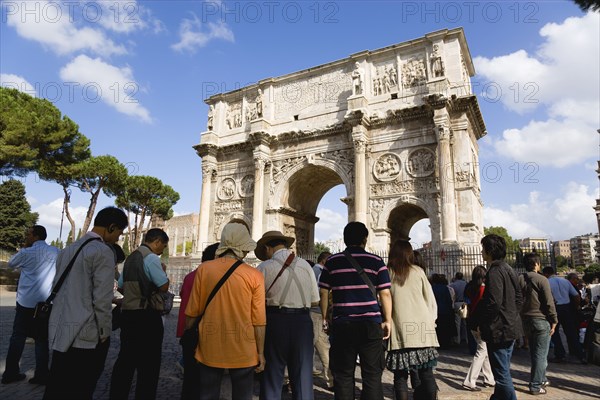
[276, 242]
[323, 256]
[209, 252]
[156, 234]
[439, 278]
[355, 233]
[530, 260]
[548, 271]
[458, 275]
[418, 259]
[494, 246]
[119, 253]
[111, 216]
[39, 232]
[311, 263]
[400, 260]
[478, 275]
[572, 275]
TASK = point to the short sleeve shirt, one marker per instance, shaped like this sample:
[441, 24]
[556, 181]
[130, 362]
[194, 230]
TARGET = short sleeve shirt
[352, 298]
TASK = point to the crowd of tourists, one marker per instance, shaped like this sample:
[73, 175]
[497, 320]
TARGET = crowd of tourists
[268, 322]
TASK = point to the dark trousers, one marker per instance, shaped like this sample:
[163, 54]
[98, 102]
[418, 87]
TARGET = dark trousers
[190, 388]
[567, 318]
[242, 382]
[74, 374]
[288, 341]
[141, 350]
[21, 329]
[349, 339]
[421, 380]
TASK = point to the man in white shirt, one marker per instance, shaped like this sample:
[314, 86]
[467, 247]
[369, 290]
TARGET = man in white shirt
[291, 289]
[37, 261]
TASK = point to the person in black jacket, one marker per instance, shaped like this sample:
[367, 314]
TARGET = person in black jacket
[498, 314]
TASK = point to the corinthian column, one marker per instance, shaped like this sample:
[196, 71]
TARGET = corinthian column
[258, 205]
[360, 179]
[207, 171]
[446, 176]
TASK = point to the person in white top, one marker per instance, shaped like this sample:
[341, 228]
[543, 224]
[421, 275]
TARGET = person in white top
[37, 261]
[291, 289]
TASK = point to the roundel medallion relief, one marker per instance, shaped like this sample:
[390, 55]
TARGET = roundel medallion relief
[227, 189]
[421, 162]
[246, 186]
[387, 167]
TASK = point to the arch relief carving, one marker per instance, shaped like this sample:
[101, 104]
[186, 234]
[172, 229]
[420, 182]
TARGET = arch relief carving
[339, 161]
[387, 167]
[421, 163]
[246, 188]
[226, 189]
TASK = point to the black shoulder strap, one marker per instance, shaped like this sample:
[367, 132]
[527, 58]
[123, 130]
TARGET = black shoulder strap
[530, 282]
[217, 287]
[361, 272]
[66, 272]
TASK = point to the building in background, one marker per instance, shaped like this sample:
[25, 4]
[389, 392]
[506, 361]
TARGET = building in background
[182, 231]
[531, 244]
[583, 249]
[562, 248]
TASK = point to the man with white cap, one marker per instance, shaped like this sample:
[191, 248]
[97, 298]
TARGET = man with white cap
[291, 290]
[232, 328]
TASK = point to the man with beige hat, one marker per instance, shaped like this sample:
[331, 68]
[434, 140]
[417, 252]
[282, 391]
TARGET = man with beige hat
[291, 290]
[232, 326]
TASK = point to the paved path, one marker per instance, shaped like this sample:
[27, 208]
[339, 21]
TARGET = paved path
[571, 381]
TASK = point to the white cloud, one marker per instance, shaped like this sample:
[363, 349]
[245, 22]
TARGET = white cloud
[192, 35]
[17, 82]
[52, 24]
[420, 233]
[330, 226]
[548, 216]
[113, 85]
[127, 16]
[50, 216]
[553, 142]
[563, 76]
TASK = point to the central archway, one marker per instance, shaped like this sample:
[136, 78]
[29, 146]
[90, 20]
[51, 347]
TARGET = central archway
[402, 219]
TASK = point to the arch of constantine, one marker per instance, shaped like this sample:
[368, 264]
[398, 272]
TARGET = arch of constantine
[397, 127]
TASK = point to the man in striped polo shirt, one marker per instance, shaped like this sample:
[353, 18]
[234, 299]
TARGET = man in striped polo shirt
[360, 320]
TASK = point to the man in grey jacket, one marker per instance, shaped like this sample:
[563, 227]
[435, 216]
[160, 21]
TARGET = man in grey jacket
[539, 320]
[81, 319]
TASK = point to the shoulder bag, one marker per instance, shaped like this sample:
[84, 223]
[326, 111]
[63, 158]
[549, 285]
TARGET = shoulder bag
[361, 272]
[41, 313]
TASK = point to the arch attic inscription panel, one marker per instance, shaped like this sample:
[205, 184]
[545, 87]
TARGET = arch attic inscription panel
[397, 127]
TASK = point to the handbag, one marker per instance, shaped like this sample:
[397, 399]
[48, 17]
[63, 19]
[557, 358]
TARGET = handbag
[463, 311]
[189, 341]
[161, 301]
[42, 310]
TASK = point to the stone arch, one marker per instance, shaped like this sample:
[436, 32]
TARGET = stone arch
[399, 215]
[286, 189]
[225, 219]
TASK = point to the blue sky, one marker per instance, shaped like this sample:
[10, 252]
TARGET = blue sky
[134, 75]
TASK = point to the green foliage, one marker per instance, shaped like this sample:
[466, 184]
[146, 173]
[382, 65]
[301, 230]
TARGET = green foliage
[188, 248]
[146, 196]
[592, 268]
[125, 246]
[588, 5]
[15, 214]
[57, 243]
[96, 174]
[69, 239]
[321, 247]
[562, 263]
[34, 136]
[511, 243]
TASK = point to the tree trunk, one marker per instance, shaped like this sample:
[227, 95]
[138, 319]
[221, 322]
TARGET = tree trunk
[68, 214]
[141, 225]
[136, 233]
[91, 210]
[130, 233]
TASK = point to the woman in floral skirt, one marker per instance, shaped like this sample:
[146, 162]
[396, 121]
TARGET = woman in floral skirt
[413, 341]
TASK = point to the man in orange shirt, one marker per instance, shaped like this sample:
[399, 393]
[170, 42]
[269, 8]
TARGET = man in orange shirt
[232, 328]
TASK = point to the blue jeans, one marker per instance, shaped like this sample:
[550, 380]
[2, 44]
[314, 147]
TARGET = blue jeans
[538, 333]
[500, 354]
[242, 382]
[21, 327]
